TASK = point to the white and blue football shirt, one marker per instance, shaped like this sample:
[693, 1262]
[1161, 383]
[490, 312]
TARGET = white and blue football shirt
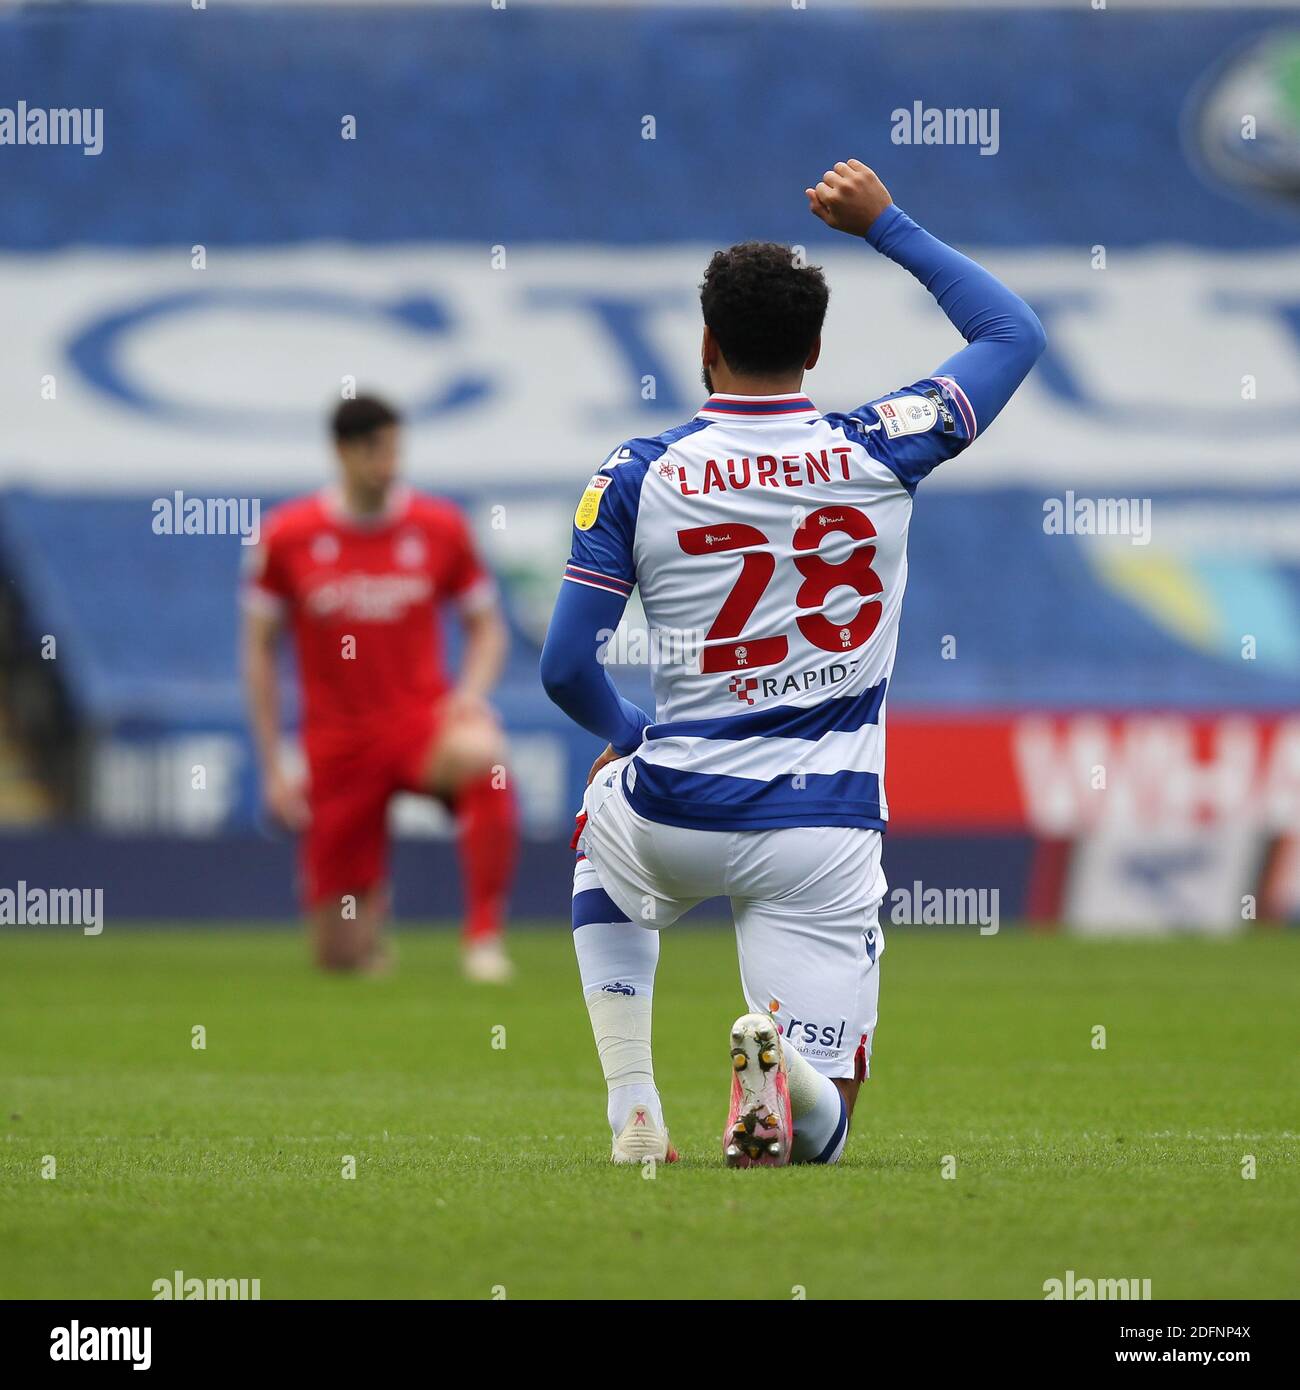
[769, 545]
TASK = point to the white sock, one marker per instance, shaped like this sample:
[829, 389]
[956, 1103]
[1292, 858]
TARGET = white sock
[617, 963]
[623, 1099]
[621, 1025]
[820, 1119]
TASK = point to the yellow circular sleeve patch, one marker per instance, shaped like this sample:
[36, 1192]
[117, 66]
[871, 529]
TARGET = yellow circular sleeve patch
[589, 503]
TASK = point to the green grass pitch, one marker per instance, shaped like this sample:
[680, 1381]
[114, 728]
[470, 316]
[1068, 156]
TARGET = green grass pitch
[483, 1167]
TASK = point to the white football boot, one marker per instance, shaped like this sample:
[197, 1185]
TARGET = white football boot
[759, 1125]
[486, 963]
[640, 1138]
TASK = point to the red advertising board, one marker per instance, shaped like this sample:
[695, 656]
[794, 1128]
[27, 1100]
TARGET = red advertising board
[1059, 775]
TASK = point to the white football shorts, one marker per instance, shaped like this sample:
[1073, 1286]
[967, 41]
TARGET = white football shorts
[805, 902]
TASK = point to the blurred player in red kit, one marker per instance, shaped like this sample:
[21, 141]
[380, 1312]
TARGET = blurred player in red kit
[358, 573]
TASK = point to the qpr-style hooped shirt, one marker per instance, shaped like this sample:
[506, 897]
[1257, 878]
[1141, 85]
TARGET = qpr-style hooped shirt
[769, 544]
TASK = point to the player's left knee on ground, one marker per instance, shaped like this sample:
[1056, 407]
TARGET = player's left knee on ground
[336, 954]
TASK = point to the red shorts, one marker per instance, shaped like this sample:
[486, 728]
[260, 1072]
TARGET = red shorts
[345, 846]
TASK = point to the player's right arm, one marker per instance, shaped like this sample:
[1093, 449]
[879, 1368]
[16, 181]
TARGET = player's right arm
[1003, 335]
[263, 628]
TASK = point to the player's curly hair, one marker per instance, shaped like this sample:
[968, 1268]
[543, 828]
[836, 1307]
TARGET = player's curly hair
[765, 309]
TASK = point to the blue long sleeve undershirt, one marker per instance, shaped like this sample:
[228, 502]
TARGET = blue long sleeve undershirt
[573, 675]
[1004, 338]
[1003, 335]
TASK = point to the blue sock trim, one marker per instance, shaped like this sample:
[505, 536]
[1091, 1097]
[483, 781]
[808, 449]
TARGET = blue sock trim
[828, 1152]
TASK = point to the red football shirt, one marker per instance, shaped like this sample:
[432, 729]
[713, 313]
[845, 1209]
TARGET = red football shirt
[362, 597]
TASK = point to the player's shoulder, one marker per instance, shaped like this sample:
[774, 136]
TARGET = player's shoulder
[613, 494]
[436, 513]
[912, 430]
[629, 461]
[296, 516]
